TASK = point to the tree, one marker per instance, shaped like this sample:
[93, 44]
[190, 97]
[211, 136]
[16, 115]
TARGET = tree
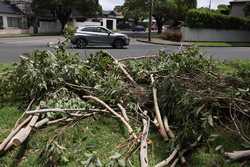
[247, 9]
[163, 10]
[223, 9]
[62, 9]
[135, 9]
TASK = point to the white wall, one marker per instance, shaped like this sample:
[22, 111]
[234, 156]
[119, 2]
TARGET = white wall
[49, 27]
[194, 34]
[237, 10]
[104, 21]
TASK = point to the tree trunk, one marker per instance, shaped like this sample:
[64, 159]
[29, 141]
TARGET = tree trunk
[63, 15]
[159, 23]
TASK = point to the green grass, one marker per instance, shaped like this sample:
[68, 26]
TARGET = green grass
[4, 67]
[221, 44]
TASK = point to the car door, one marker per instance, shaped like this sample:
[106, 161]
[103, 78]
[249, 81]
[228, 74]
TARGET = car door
[104, 36]
[89, 34]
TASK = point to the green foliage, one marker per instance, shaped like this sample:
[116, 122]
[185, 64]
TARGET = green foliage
[188, 87]
[69, 31]
[206, 19]
[40, 73]
[224, 9]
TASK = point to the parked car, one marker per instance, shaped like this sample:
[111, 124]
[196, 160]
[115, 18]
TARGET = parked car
[98, 35]
[139, 28]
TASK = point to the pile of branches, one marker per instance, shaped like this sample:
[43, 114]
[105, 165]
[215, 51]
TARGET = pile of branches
[182, 95]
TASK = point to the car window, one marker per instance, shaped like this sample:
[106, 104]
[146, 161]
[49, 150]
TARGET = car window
[89, 29]
[102, 30]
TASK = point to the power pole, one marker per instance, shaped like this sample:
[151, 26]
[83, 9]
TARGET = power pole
[210, 4]
[150, 19]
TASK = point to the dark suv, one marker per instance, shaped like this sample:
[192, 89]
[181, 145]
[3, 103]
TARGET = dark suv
[98, 35]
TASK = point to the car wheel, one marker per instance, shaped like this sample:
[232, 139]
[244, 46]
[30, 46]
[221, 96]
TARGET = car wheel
[81, 43]
[118, 44]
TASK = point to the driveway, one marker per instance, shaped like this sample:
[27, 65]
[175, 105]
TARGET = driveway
[11, 48]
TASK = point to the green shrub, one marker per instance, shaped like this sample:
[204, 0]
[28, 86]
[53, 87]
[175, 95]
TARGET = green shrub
[208, 19]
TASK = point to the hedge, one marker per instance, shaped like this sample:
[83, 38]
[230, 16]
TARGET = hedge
[206, 19]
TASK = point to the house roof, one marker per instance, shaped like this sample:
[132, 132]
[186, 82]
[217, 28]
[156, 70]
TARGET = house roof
[9, 9]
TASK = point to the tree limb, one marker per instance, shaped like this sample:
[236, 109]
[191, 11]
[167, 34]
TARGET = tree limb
[157, 110]
[124, 113]
[144, 143]
[13, 133]
[169, 159]
[130, 130]
[237, 155]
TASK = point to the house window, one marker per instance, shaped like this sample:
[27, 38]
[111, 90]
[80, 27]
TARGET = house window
[14, 21]
[1, 22]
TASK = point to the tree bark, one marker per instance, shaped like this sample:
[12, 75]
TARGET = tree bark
[144, 143]
[159, 23]
[237, 155]
[169, 159]
[13, 133]
[23, 134]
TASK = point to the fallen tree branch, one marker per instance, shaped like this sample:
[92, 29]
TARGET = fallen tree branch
[237, 155]
[167, 128]
[23, 134]
[63, 110]
[130, 130]
[42, 122]
[169, 159]
[28, 108]
[124, 113]
[13, 133]
[144, 143]
[121, 66]
[157, 110]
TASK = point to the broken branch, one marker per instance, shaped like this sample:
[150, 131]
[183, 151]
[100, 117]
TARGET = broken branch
[130, 130]
[144, 143]
[157, 110]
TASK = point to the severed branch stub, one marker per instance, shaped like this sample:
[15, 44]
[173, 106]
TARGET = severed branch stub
[237, 155]
[169, 159]
[13, 133]
[144, 143]
[130, 130]
[124, 113]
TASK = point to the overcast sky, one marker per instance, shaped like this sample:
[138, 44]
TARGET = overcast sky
[109, 4]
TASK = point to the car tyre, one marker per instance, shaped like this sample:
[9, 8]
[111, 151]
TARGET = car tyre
[81, 43]
[118, 44]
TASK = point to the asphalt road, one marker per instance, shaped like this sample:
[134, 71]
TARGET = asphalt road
[12, 48]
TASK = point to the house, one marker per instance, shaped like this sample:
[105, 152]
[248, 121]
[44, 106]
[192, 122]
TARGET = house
[12, 19]
[107, 19]
[237, 8]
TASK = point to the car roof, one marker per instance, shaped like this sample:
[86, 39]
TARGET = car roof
[90, 27]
